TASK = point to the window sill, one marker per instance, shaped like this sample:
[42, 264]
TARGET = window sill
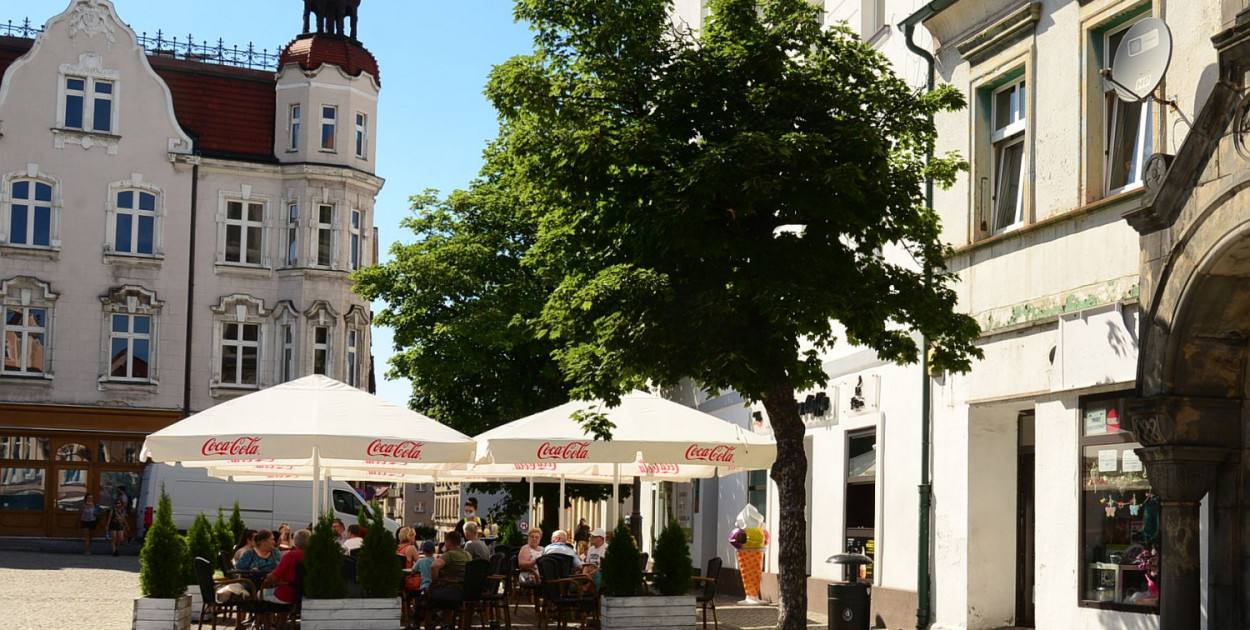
[1128, 608]
[31, 251]
[218, 390]
[243, 270]
[63, 137]
[107, 384]
[1062, 217]
[134, 260]
[877, 37]
[326, 151]
[312, 272]
[30, 380]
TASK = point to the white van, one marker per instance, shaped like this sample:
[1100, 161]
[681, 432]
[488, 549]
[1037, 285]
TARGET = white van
[262, 504]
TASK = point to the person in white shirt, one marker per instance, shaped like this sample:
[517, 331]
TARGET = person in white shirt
[353, 540]
[595, 552]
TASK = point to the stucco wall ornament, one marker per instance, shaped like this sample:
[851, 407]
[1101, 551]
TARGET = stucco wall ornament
[92, 18]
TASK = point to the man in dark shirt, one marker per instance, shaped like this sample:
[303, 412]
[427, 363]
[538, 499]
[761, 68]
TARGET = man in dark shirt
[448, 574]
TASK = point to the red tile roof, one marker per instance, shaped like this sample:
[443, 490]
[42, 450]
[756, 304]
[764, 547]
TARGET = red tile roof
[312, 51]
[228, 111]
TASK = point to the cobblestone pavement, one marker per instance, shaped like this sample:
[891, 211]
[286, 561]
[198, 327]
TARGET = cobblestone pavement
[42, 590]
[735, 617]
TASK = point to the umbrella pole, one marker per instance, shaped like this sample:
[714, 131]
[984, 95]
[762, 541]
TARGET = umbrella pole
[531, 515]
[316, 489]
[616, 495]
[561, 506]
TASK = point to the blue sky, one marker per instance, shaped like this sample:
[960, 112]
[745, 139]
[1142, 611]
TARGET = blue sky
[434, 57]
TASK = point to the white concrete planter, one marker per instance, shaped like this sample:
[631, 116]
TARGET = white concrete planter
[350, 614]
[162, 614]
[644, 613]
[197, 602]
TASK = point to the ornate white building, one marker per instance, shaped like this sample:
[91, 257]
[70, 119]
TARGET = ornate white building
[178, 227]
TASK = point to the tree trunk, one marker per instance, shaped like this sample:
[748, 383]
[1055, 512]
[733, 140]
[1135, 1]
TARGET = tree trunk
[790, 474]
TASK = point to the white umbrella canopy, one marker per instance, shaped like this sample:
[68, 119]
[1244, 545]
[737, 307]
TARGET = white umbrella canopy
[648, 428]
[314, 416]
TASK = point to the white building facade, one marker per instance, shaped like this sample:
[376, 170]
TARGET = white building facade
[175, 231]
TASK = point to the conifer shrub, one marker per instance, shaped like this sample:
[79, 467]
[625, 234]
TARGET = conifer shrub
[510, 536]
[622, 564]
[221, 532]
[673, 571]
[163, 559]
[323, 562]
[201, 544]
[377, 569]
[237, 526]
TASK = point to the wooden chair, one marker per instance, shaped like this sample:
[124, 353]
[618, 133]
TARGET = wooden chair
[225, 561]
[498, 591]
[208, 592]
[705, 591]
[563, 594]
[471, 589]
[519, 587]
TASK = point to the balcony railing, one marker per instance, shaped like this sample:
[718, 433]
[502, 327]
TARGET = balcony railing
[189, 49]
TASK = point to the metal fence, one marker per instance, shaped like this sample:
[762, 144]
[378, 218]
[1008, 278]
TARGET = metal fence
[188, 48]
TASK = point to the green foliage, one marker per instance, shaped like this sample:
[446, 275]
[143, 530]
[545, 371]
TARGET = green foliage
[673, 571]
[323, 562]
[510, 536]
[163, 559]
[201, 543]
[221, 532]
[425, 532]
[622, 564]
[376, 568]
[237, 526]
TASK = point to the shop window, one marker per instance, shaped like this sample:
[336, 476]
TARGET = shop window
[861, 496]
[757, 490]
[73, 453]
[119, 451]
[1119, 512]
[22, 489]
[23, 448]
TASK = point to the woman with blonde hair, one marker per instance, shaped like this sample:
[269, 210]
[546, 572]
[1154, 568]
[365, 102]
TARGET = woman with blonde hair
[284, 538]
[407, 546]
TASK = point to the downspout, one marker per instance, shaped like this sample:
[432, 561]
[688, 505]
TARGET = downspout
[190, 329]
[924, 572]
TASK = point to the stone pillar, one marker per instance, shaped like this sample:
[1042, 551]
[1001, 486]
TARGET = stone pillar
[1180, 476]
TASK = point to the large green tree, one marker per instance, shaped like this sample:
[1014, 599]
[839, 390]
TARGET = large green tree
[722, 206]
[462, 305]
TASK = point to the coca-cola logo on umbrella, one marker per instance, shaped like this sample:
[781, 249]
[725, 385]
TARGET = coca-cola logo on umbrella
[647, 468]
[543, 466]
[237, 446]
[718, 454]
[570, 451]
[406, 449]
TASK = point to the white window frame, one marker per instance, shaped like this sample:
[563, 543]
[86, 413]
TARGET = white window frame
[90, 70]
[362, 135]
[322, 227]
[1113, 109]
[1001, 141]
[294, 116]
[352, 357]
[24, 292]
[241, 310]
[290, 249]
[35, 179]
[224, 222]
[872, 18]
[132, 301]
[130, 336]
[240, 344]
[285, 343]
[329, 124]
[355, 242]
[319, 346]
[139, 185]
[16, 340]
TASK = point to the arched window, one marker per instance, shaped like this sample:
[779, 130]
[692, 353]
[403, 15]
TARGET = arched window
[30, 217]
[136, 223]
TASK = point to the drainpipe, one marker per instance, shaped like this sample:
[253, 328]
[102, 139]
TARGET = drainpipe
[190, 329]
[924, 576]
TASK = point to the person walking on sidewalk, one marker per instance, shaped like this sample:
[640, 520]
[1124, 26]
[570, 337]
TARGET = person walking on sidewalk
[88, 518]
[117, 526]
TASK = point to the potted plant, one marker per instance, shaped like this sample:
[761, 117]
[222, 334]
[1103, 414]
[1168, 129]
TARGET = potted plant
[201, 544]
[626, 603]
[379, 572]
[325, 592]
[221, 532]
[162, 578]
[237, 526]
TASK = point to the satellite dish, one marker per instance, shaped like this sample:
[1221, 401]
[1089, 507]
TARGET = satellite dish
[1142, 59]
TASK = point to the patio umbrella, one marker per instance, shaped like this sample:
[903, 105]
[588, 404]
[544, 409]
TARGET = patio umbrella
[314, 421]
[647, 428]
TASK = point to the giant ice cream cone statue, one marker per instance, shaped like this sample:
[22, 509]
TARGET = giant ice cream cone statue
[750, 538]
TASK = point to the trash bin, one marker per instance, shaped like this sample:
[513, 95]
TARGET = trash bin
[850, 601]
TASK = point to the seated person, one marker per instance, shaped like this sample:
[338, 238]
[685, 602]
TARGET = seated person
[424, 565]
[560, 546]
[473, 544]
[353, 540]
[527, 557]
[263, 557]
[245, 543]
[595, 552]
[280, 585]
[445, 590]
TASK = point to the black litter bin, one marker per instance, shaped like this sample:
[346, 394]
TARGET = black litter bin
[850, 601]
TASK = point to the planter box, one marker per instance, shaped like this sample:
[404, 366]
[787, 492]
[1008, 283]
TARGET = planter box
[350, 614]
[162, 614]
[644, 613]
[197, 602]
